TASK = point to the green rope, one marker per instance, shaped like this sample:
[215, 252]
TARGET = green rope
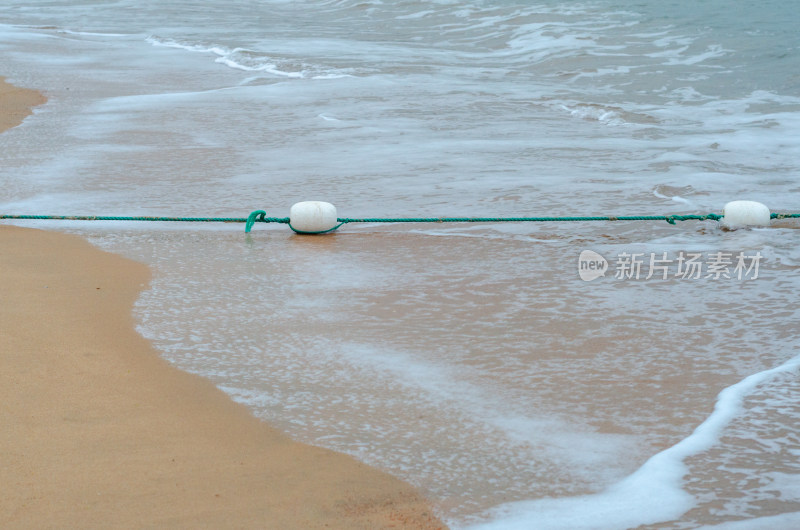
[784, 215]
[296, 231]
[668, 218]
[121, 218]
[260, 216]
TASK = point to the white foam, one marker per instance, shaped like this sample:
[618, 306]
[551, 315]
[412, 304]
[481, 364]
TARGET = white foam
[171, 43]
[784, 520]
[419, 14]
[248, 60]
[92, 34]
[712, 52]
[595, 112]
[786, 484]
[651, 495]
[675, 198]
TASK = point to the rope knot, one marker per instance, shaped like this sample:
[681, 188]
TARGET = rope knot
[255, 216]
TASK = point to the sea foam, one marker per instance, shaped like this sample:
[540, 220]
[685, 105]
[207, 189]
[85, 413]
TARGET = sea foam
[652, 494]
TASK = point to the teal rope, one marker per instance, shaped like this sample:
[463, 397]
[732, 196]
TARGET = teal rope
[256, 216]
[260, 216]
[296, 231]
[121, 218]
[784, 215]
[668, 218]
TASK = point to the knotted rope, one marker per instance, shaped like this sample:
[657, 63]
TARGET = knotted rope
[260, 216]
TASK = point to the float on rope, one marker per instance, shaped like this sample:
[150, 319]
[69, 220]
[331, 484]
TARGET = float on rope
[317, 217]
[740, 214]
[313, 217]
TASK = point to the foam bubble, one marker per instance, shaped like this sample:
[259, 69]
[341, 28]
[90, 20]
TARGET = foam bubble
[248, 60]
[652, 494]
[784, 520]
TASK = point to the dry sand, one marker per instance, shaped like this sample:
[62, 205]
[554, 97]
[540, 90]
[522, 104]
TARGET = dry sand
[99, 432]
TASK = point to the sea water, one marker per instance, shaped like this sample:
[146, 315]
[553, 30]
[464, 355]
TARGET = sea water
[470, 360]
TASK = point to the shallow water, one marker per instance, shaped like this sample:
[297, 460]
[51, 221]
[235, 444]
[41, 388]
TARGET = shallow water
[471, 360]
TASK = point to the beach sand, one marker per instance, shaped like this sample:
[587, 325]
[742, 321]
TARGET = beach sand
[16, 104]
[98, 431]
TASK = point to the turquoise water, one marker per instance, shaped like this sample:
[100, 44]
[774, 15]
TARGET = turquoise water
[470, 360]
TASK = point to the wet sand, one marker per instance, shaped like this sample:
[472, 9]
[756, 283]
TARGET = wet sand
[16, 104]
[101, 432]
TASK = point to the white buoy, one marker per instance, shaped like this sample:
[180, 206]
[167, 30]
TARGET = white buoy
[737, 214]
[313, 217]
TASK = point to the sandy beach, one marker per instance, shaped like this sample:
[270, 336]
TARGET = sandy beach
[16, 103]
[101, 432]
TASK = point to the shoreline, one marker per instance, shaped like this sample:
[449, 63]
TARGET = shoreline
[101, 431]
[16, 104]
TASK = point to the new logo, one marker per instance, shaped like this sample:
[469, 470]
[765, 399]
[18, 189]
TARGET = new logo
[591, 265]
